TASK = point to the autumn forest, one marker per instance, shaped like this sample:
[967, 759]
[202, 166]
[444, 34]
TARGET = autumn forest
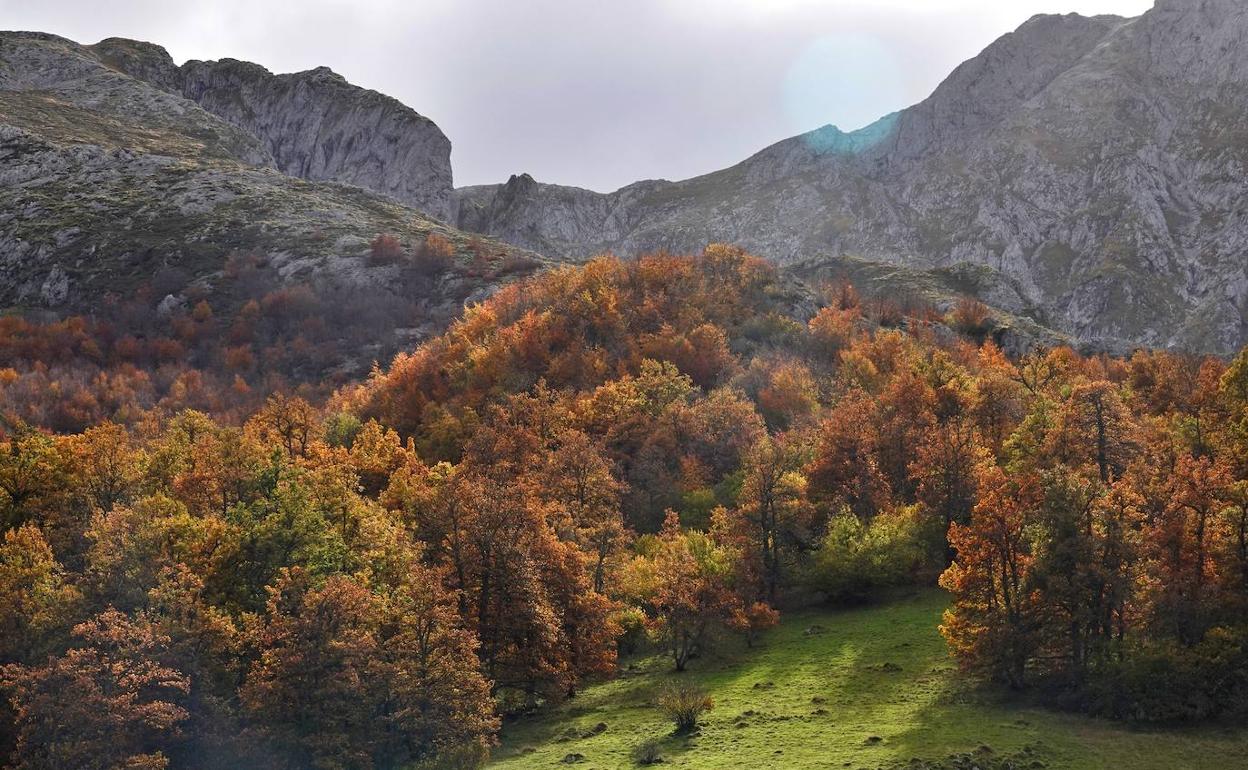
[216, 554]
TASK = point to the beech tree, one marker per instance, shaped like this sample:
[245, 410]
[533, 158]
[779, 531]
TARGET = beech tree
[693, 591]
[906, 410]
[774, 510]
[996, 401]
[526, 592]
[1184, 530]
[943, 470]
[37, 601]
[1068, 571]
[349, 678]
[107, 466]
[32, 476]
[130, 547]
[1095, 426]
[845, 470]
[995, 619]
[579, 481]
[125, 709]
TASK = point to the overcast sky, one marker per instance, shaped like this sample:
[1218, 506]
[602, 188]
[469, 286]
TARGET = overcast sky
[595, 93]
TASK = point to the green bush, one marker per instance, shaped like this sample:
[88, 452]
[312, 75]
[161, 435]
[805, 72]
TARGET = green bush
[855, 561]
[631, 622]
[341, 429]
[1165, 682]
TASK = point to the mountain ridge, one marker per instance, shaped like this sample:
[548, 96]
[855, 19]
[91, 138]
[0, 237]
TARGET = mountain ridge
[111, 182]
[1089, 169]
[314, 124]
[1072, 155]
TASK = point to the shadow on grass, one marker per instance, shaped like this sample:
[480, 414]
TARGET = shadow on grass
[872, 687]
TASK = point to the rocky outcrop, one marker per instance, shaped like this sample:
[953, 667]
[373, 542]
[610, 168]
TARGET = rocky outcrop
[56, 88]
[547, 218]
[1095, 164]
[314, 125]
[108, 178]
[318, 126]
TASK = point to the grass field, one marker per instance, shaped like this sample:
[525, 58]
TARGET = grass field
[858, 689]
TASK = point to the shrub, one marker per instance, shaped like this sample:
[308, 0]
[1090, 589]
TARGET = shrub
[1166, 682]
[831, 331]
[683, 704]
[435, 256]
[241, 266]
[341, 429]
[515, 263]
[842, 295]
[480, 263]
[238, 358]
[202, 312]
[647, 753]
[385, 249]
[753, 620]
[971, 317]
[289, 303]
[856, 560]
[631, 622]
[887, 313]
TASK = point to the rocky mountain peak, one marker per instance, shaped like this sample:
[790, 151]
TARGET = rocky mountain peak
[518, 184]
[1087, 172]
[318, 126]
[324, 73]
[982, 92]
[148, 62]
[314, 124]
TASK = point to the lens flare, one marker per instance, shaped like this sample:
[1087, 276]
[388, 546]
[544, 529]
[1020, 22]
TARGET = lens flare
[849, 81]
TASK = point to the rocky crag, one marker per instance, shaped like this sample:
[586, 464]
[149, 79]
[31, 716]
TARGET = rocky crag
[314, 125]
[116, 164]
[1088, 173]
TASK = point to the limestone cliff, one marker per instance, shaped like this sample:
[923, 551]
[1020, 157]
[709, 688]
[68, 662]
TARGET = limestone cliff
[314, 125]
[109, 175]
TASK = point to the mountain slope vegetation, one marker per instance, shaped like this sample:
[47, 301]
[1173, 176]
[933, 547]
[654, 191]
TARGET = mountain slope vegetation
[656, 459]
[140, 229]
[295, 475]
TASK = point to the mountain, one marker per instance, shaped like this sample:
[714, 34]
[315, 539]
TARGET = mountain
[116, 166]
[1090, 170]
[314, 125]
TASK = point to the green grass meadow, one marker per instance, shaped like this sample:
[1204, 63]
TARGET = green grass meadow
[863, 688]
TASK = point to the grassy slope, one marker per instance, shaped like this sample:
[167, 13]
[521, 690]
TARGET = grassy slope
[764, 714]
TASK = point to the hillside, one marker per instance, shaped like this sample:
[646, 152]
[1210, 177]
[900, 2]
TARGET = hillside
[125, 178]
[823, 687]
[106, 172]
[601, 479]
[309, 461]
[1096, 164]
